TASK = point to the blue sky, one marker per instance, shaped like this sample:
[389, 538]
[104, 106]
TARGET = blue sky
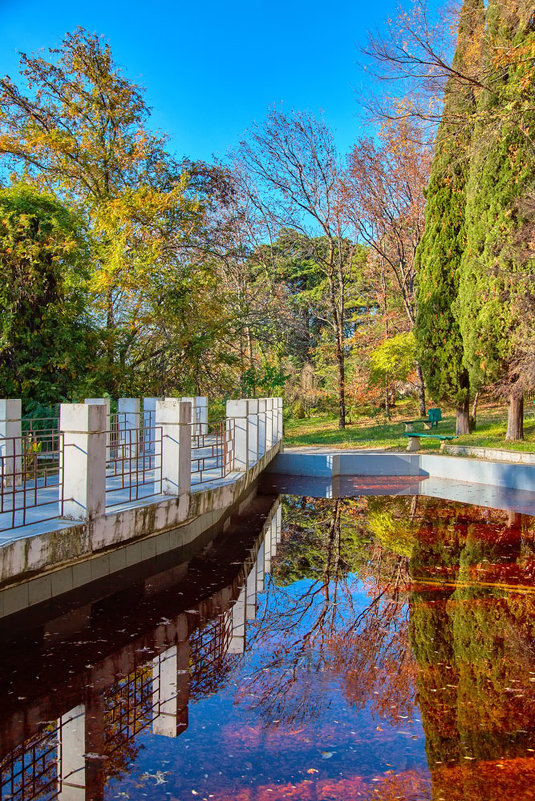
[211, 68]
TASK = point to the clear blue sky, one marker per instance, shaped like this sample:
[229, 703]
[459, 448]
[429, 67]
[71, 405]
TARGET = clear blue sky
[211, 68]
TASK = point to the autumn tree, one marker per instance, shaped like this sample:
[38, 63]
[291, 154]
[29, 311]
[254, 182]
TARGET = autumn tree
[438, 257]
[497, 269]
[384, 197]
[293, 162]
[79, 128]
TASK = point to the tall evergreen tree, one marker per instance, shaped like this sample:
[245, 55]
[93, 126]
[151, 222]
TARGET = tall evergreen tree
[438, 258]
[496, 273]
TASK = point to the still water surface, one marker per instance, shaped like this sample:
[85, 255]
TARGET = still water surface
[322, 649]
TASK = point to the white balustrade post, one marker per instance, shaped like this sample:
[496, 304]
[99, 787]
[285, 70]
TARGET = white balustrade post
[71, 757]
[262, 403]
[201, 406]
[103, 402]
[128, 424]
[237, 414]
[194, 427]
[278, 418]
[269, 423]
[11, 441]
[252, 425]
[82, 460]
[149, 424]
[174, 418]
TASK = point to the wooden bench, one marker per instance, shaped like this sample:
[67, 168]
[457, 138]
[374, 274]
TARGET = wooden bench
[432, 421]
[415, 436]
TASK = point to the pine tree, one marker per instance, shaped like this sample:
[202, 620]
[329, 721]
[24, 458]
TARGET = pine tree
[495, 270]
[439, 340]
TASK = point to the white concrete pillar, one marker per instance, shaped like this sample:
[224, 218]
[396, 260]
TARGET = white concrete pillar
[71, 756]
[164, 676]
[250, 605]
[104, 402]
[82, 461]
[193, 429]
[261, 568]
[237, 414]
[11, 441]
[237, 640]
[269, 423]
[149, 424]
[262, 406]
[278, 418]
[129, 423]
[201, 406]
[252, 425]
[174, 418]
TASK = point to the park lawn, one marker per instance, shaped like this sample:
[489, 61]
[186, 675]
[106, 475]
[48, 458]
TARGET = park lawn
[371, 433]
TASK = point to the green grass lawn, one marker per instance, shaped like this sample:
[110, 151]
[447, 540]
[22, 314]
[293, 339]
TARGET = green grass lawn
[371, 433]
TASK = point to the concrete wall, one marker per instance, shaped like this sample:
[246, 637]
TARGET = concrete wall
[500, 474]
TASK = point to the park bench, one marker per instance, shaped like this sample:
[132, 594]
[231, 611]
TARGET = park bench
[415, 436]
[432, 420]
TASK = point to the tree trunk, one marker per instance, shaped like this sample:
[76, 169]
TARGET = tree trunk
[462, 421]
[421, 390]
[387, 402]
[340, 359]
[474, 406]
[515, 418]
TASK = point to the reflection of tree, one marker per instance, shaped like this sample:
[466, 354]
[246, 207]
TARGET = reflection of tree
[324, 625]
[473, 641]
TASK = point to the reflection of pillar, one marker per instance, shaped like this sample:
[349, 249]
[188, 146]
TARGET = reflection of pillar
[164, 676]
[268, 538]
[251, 594]
[71, 767]
[95, 745]
[278, 524]
[182, 685]
[261, 568]
[237, 641]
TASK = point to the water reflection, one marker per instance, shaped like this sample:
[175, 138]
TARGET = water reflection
[384, 649]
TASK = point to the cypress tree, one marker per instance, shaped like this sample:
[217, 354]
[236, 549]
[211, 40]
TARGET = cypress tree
[495, 272]
[438, 258]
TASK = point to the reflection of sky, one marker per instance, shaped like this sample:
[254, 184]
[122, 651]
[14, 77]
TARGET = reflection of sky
[281, 721]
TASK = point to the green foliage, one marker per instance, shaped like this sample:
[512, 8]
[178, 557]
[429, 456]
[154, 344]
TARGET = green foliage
[497, 266]
[440, 344]
[45, 337]
[394, 358]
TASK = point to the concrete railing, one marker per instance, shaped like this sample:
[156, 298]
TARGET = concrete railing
[99, 461]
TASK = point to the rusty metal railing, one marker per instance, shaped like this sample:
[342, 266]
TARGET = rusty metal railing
[212, 454]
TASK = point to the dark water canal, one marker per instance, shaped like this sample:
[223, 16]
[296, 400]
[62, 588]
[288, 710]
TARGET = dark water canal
[317, 649]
